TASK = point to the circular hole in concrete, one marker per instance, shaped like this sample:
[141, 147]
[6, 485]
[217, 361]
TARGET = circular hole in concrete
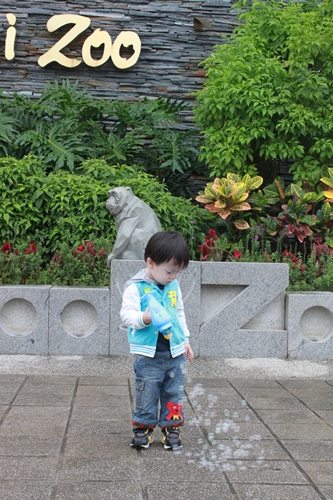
[18, 317]
[316, 324]
[79, 318]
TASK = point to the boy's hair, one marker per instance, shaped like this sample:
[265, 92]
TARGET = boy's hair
[166, 246]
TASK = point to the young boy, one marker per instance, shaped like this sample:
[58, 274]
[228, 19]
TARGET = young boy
[160, 358]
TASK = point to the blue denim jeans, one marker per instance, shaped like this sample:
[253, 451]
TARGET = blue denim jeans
[159, 380]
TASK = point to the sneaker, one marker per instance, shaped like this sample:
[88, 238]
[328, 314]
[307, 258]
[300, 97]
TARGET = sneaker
[142, 437]
[171, 438]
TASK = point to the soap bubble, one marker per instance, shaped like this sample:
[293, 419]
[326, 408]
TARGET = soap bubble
[222, 449]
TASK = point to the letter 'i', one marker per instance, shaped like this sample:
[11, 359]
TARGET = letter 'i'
[10, 37]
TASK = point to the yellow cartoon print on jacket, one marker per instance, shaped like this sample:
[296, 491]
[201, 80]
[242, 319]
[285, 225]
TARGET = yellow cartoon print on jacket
[172, 294]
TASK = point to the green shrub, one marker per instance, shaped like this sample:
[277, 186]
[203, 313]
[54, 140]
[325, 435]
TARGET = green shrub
[70, 207]
[267, 99]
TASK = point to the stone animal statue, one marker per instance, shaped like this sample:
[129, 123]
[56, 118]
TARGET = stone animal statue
[136, 222]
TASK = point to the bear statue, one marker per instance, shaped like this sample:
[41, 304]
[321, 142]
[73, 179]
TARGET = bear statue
[136, 222]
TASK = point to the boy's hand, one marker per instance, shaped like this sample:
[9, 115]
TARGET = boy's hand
[146, 317]
[188, 351]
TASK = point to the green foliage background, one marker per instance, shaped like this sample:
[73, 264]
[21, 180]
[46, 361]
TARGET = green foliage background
[268, 97]
[55, 207]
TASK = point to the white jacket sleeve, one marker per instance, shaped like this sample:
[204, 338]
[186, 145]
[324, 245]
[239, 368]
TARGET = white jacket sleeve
[130, 312]
[181, 314]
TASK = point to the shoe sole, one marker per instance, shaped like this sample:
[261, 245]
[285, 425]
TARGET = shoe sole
[142, 446]
[173, 448]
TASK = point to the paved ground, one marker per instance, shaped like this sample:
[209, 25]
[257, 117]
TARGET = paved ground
[65, 435]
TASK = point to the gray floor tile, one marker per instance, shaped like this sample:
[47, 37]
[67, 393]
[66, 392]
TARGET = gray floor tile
[43, 399]
[319, 472]
[275, 492]
[103, 469]
[279, 403]
[30, 446]
[107, 390]
[25, 490]
[301, 416]
[327, 491]
[28, 468]
[267, 471]
[190, 491]
[313, 451]
[101, 400]
[100, 447]
[105, 490]
[304, 432]
[35, 421]
[103, 380]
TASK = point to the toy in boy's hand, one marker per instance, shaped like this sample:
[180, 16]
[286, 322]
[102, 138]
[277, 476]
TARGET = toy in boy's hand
[159, 315]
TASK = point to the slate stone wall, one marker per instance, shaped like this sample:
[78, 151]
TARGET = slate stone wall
[171, 48]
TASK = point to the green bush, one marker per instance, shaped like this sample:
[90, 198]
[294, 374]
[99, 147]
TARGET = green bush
[267, 100]
[70, 207]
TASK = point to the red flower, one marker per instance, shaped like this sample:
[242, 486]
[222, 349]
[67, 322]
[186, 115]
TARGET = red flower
[212, 234]
[31, 248]
[79, 249]
[6, 248]
[237, 254]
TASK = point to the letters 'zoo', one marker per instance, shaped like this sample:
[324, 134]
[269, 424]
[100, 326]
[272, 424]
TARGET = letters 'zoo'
[97, 39]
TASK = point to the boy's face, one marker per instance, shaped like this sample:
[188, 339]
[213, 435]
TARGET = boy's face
[162, 273]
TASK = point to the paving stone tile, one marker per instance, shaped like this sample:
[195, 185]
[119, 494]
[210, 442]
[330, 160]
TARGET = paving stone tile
[263, 392]
[304, 383]
[327, 415]
[301, 416]
[6, 399]
[275, 492]
[315, 451]
[117, 490]
[30, 446]
[267, 471]
[100, 428]
[8, 377]
[229, 402]
[38, 412]
[254, 383]
[208, 392]
[308, 432]
[52, 379]
[103, 469]
[100, 447]
[178, 470]
[319, 472]
[102, 412]
[25, 490]
[242, 430]
[35, 421]
[107, 390]
[319, 403]
[190, 491]
[103, 380]
[101, 400]
[12, 468]
[327, 491]
[207, 382]
[43, 399]
[280, 403]
[49, 389]
[249, 449]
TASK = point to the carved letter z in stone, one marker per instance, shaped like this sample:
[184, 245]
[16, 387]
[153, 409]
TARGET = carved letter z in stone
[234, 295]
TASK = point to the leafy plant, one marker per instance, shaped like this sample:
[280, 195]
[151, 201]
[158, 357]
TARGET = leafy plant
[229, 198]
[70, 207]
[267, 100]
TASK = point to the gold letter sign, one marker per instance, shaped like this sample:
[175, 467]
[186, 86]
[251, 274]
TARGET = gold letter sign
[97, 39]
